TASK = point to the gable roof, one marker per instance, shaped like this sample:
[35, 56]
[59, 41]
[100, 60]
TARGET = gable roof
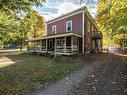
[64, 15]
[82, 9]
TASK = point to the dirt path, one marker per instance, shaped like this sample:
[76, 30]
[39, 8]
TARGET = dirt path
[63, 86]
[109, 78]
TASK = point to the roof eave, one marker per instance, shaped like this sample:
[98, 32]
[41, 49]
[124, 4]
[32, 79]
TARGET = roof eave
[54, 36]
[66, 14]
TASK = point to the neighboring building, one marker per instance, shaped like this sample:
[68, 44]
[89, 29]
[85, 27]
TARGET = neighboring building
[75, 32]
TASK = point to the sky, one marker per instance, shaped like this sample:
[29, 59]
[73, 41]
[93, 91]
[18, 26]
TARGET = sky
[54, 8]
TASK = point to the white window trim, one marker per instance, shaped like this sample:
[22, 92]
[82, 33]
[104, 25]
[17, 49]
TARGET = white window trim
[67, 26]
[55, 29]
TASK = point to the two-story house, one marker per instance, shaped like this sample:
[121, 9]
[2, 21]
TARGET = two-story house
[71, 33]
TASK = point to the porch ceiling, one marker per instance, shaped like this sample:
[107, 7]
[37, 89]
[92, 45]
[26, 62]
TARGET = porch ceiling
[55, 36]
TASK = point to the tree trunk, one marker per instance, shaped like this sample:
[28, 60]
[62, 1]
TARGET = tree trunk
[123, 45]
[21, 46]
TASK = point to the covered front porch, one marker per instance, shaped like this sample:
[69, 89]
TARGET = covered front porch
[66, 44]
[97, 41]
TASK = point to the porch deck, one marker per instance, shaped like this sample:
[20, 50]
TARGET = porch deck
[68, 50]
[66, 44]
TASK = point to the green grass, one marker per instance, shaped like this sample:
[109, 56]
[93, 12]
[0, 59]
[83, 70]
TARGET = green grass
[21, 78]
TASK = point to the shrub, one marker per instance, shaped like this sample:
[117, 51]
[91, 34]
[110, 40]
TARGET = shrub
[59, 59]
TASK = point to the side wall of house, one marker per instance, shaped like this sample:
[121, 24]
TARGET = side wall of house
[89, 30]
[61, 24]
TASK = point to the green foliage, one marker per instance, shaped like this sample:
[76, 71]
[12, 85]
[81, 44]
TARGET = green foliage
[12, 29]
[19, 5]
[37, 23]
[112, 19]
[59, 59]
[55, 73]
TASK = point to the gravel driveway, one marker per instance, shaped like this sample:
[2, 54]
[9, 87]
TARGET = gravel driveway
[63, 86]
[109, 78]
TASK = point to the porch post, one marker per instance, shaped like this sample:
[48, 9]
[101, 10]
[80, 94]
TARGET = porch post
[78, 44]
[55, 45]
[65, 44]
[83, 45]
[46, 44]
[40, 45]
[72, 43]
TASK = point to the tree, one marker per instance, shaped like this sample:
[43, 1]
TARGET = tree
[12, 8]
[32, 25]
[37, 23]
[19, 5]
[112, 18]
[120, 39]
[11, 25]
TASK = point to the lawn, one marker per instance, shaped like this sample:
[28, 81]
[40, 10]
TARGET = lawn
[35, 71]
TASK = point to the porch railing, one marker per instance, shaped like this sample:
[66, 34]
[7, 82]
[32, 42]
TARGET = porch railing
[66, 49]
[58, 49]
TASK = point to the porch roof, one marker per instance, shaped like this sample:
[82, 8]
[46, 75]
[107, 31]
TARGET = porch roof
[54, 36]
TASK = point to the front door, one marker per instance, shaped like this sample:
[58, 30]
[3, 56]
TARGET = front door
[51, 44]
[80, 45]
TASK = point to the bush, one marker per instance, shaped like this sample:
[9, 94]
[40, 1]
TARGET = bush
[59, 59]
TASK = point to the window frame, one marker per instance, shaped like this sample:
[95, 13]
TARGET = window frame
[70, 21]
[88, 26]
[54, 27]
[58, 42]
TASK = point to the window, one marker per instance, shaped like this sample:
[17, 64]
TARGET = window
[75, 41]
[92, 28]
[88, 43]
[88, 26]
[57, 42]
[68, 26]
[43, 42]
[54, 29]
[62, 41]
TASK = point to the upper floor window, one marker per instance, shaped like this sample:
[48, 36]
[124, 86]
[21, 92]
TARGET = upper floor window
[92, 28]
[54, 28]
[88, 26]
[68, 26]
